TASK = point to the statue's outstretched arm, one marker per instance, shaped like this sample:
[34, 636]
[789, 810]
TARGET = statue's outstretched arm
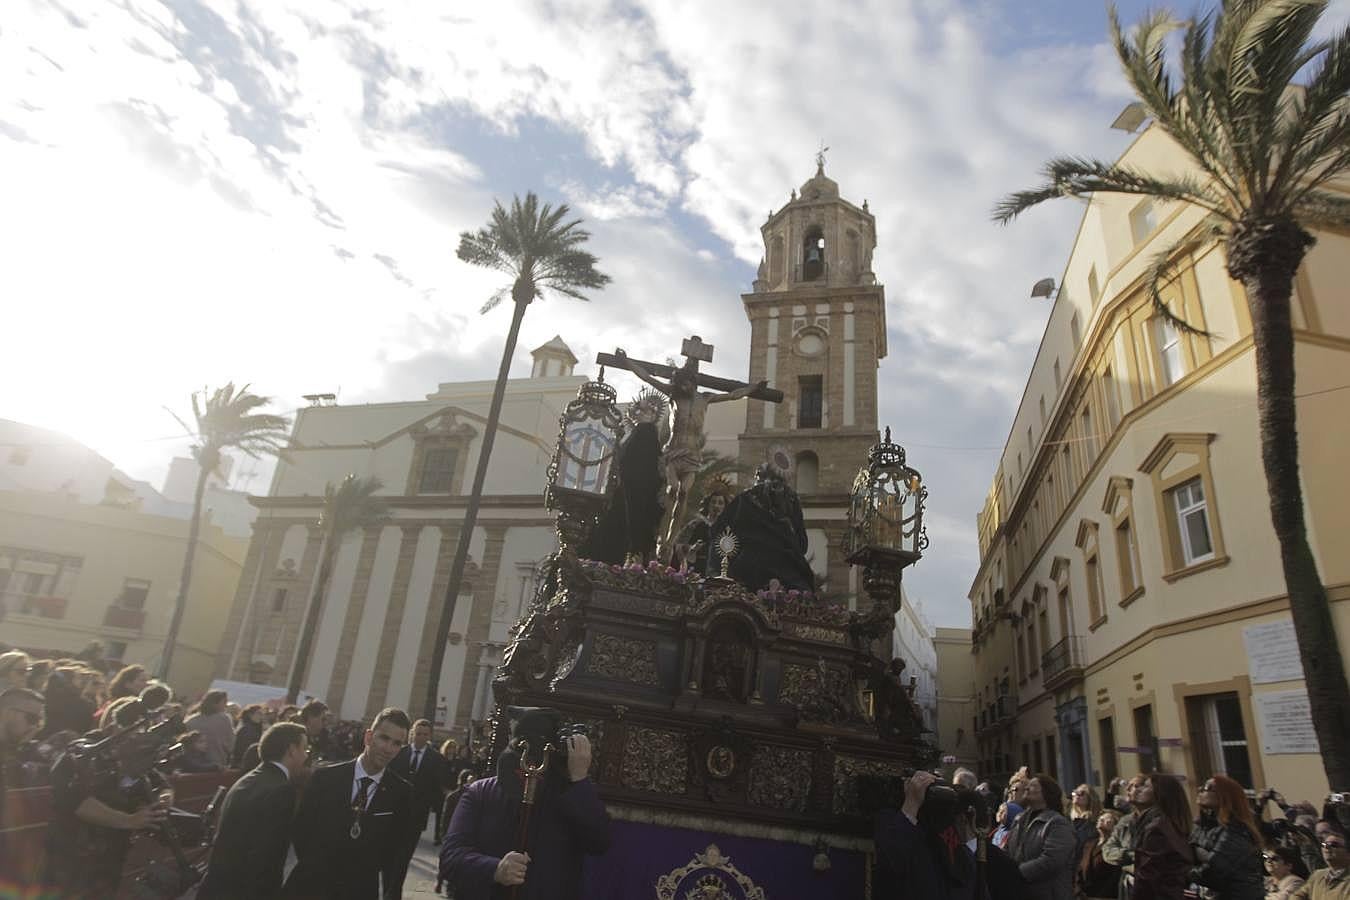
[640, 371]
[736, 394]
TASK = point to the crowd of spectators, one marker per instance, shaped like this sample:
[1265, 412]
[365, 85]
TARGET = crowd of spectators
[1150, 838]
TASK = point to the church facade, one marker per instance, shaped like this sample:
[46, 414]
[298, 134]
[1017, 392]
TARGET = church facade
[817, 332]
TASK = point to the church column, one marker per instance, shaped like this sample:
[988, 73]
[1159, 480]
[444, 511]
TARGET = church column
[242, 613]
[385, 658]
[351, 625]
[480, 614]
[771, 365]
[850, 366]
[296, 607]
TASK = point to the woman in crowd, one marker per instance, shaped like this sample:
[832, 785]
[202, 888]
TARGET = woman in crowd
[1084, 808]
[1227, 844]
[215, 723]
[14, 667]
[67, 709]
[194, 757]
[1005, 817]
[128, 682]
[1285, 873]
[1163, 859]
[248, 731]
[1096, 877]
[1042, 842]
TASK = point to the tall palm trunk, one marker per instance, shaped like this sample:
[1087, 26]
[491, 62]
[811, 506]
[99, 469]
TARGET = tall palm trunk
[185, 580]
[521, 294]
[1265, 256]
[327, 555]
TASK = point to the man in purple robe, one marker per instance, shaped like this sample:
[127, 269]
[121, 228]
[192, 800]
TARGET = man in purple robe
[482, 857]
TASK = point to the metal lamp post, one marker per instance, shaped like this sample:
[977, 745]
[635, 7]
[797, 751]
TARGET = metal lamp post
[885, 528]
[583, 473]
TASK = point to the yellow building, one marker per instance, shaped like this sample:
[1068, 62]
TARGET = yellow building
[87, 561]
[1129, 610]
[955, 698]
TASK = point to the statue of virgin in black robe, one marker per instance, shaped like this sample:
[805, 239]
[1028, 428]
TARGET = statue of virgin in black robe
[770, 534]
[628, 525]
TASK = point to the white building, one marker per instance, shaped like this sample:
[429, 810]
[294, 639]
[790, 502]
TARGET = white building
[912, 641]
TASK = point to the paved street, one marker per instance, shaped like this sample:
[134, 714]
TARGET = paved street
[422, 872]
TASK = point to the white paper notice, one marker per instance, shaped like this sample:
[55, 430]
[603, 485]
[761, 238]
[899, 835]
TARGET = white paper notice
[1285, 723]
[1272, 652]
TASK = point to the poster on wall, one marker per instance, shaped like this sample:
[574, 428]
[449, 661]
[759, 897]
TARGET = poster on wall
[1272, 652]
[1285, 723]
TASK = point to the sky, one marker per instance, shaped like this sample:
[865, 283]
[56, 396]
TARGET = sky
[270, 191]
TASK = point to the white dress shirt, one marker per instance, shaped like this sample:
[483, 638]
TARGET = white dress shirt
[356, 782]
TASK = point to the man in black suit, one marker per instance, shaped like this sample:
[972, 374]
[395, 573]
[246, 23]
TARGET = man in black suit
[428, 773]
[351, 829]
[249, 854]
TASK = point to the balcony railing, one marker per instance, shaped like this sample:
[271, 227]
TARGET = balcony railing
[1063, 662]
[124, 617]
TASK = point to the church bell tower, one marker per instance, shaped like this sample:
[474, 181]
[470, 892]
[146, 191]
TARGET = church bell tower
[818, 331]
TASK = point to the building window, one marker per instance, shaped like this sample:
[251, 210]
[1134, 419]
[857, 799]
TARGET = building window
[1119, 505]
[1033, 654]
[279, 600]
[1042, 403]
[1037, 758]
[807, 471]
[1143, 220]
[1218, 738]
[1145, 739]
[1094, 288]
[438, 470]
[1051, 762]
[1022, 656]
[1106, 733]
[813, 254]
[1059, 376]
[1193, 522]
[1127, 557]
[1093, 568]
[1188, 516]
[1087, 542]
[1112, 396]
[811, 401]
[1075, 330]
[134, 593]
[1171, 362]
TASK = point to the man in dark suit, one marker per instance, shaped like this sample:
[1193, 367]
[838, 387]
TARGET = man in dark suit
[429, 773]
[249, 853]
[351, 829]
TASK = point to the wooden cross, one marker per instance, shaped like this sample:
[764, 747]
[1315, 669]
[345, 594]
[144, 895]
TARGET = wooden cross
[694, 351]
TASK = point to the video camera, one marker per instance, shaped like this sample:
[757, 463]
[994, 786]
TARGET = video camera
[878, 792]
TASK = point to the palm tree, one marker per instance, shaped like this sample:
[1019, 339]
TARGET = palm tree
[1266, 149]
[226, 419]
[349, 504]
[537, 249]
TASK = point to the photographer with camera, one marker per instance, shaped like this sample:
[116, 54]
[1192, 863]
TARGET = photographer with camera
[497, 836]
[103, 791]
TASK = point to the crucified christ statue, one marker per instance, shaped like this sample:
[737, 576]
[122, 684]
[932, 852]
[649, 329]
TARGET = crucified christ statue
[682, 455]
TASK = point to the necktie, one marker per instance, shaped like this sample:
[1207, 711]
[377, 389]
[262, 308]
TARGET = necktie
[417, 761]
[359, 804]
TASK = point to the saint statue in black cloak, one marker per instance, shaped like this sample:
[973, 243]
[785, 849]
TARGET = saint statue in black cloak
[627, 528]
[694, 539]
[770, 536]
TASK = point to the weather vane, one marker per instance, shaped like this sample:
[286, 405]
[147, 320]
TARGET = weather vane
[820, 156]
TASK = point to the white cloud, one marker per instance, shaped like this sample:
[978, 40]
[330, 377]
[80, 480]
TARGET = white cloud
[203, 189]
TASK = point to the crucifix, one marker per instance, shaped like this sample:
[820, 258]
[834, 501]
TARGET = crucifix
[820, 156]
[682, 455]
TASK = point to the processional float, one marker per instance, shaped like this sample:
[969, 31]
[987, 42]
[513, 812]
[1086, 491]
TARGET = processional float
[731, 713]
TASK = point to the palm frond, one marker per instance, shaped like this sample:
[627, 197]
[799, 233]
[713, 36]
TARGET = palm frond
[1322, 210]
[1078, 177]
[537, 245]
[1315, 126]
[352, 503]
[1163, 269]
